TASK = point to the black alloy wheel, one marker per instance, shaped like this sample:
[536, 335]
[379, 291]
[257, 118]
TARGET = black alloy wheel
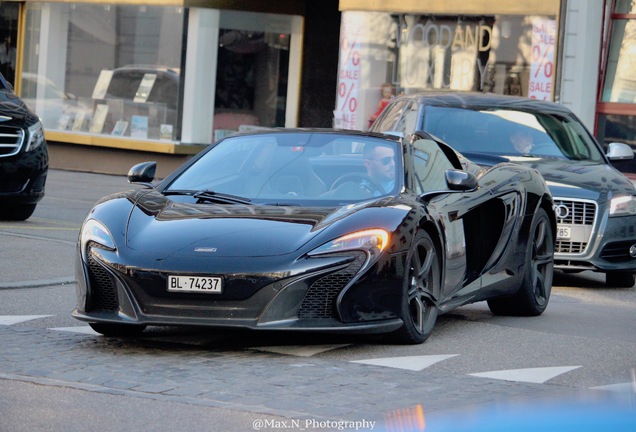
[534, 293]
[421, 284]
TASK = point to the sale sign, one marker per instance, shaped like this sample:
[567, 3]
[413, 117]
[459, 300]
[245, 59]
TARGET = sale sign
[348, 72]
[542, 67]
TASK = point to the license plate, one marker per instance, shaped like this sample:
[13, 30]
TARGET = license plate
[563, 233]
[198, 284]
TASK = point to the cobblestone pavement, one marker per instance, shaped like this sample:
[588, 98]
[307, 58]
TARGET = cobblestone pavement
[245, 380]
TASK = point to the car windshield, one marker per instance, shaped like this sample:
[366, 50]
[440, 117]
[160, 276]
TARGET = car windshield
[512, 133]
[293, 168]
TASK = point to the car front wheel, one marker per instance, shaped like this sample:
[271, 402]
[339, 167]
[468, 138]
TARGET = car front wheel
[534, 292]
[421, 283]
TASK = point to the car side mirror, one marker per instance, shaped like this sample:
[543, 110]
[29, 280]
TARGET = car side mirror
[143, 173]
[619, 151]
[458, 180]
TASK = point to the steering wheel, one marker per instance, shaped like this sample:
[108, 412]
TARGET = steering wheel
[366, 182]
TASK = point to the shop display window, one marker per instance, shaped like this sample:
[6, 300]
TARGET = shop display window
[616, 108]
[9, 12]
[504, 54]
[104, 69]
[117, 70]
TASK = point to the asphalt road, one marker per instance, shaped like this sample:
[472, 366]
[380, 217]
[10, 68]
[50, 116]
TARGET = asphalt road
[58, 375]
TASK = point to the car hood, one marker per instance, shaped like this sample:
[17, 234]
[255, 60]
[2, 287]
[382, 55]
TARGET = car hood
[158, 225]
[12, 106]
[571, 179]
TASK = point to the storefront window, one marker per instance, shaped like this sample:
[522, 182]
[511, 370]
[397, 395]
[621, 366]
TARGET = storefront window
[104, 69]
[620, 78]
[8, 38]
[131, 71]
[505, 54]
[616, 120]
[251, 74]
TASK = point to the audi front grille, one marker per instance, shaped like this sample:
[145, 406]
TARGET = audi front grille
[577, 218]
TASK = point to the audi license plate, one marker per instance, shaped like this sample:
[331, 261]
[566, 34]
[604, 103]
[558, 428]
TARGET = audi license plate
[197, 284]
[563, 233]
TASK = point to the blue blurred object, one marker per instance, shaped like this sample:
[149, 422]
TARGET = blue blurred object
[595, 413]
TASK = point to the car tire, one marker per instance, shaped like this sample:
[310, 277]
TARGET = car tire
[118, 330]
[620, 279]
[534, 293]
[17, 213]
[421, 284]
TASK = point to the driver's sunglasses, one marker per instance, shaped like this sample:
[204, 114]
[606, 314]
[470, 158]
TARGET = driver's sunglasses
[386, 160]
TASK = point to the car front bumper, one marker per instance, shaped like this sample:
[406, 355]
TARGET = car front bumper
[322, 297]
[23, 176]
[605, 244]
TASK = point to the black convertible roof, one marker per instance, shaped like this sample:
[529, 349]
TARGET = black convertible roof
[487, 101]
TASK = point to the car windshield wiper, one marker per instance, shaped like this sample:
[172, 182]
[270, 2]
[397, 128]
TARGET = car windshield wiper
[208, 195]
[282, 204]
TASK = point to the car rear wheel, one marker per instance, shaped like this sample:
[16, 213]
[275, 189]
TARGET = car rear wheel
[17, 213]
[118, 330]
[536, 286]
[421, 283]
[620, 279]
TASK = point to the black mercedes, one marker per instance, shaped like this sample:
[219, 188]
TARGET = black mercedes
[24, 159]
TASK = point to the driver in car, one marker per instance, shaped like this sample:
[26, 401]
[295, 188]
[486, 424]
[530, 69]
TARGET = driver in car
[379, 161]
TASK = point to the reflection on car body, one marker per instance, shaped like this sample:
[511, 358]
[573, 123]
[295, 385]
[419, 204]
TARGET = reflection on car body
[595, 203]
[288, 230]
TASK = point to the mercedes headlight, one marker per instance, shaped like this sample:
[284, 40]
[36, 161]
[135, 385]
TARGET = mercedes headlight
[36, 137]
[623, 206]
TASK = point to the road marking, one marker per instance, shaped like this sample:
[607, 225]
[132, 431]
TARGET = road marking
[530, 375]
[628, 387]
[299, 351]
[77, 329]
[15, 319]
[414, 363]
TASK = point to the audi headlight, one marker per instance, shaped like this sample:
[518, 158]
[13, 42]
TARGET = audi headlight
[373, 241]
[96, 232]
[36, 137]
[623, 206]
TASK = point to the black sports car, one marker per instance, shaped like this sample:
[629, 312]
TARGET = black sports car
[335, 231]
[24, 158]
[595, 203]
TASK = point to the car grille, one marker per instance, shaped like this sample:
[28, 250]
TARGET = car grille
[11, 139]
[580, 217]
[320, 300]
[102, 284]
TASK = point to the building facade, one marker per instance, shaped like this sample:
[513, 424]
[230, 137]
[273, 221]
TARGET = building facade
[167, 77]
[170, 76]
[575, 52]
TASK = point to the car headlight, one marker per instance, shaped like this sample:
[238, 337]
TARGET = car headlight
[36, 137]
[373, 241]
[623, 206]
[96, 232]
